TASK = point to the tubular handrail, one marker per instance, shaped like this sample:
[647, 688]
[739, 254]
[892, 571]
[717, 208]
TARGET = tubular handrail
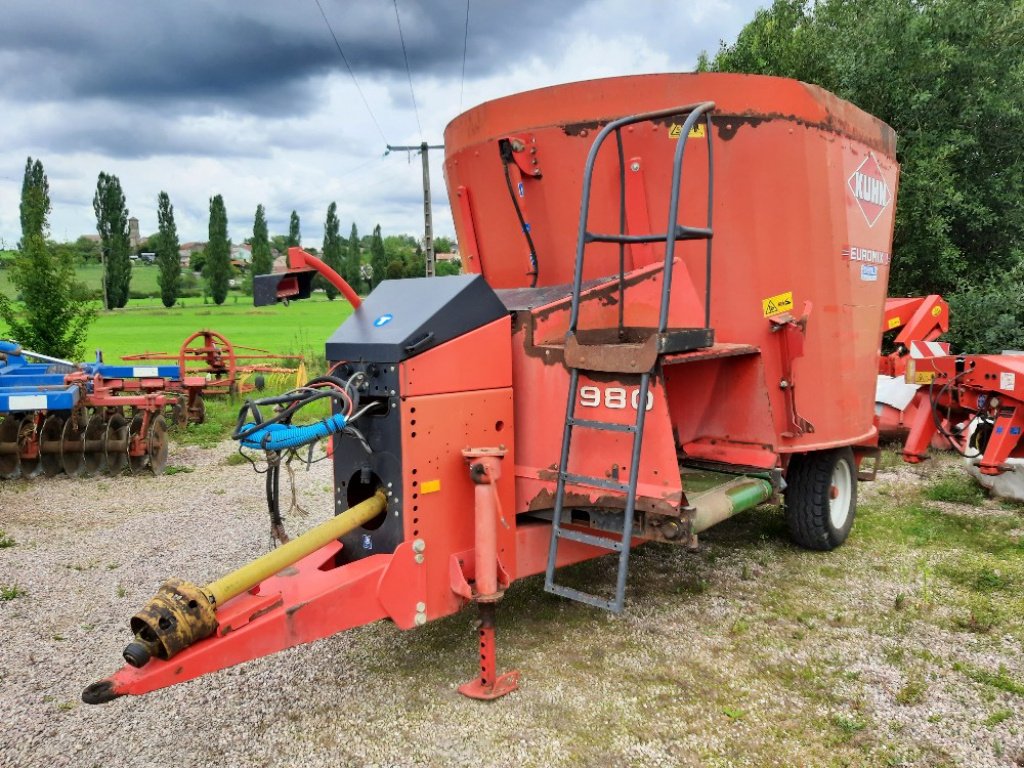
[693, 112]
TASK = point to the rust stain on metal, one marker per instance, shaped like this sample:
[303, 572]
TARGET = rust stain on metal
[668, 505]
[727, 126]
[262, 611]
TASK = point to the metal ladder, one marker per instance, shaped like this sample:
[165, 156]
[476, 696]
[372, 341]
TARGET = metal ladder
[675, 232]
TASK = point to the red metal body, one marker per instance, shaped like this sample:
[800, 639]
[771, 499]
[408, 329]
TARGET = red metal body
[792, 241]
[803, 208]
[966, 386]
[911, 322]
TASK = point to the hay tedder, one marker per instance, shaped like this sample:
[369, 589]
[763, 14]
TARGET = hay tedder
[222, 365]
[666, 322]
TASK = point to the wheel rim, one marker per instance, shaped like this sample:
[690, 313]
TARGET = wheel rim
[50, 434]
[841, 494]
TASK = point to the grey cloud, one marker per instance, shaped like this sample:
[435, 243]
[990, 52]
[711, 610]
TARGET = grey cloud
[252, 56]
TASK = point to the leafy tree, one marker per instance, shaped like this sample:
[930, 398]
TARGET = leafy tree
[294, 235]
[218, 252]
[332, 255]
[353, 261]
[262, 259]
[55, 318]
[444, 268]
[395, 270]
[279, 243]
[197, 261]
[378, 256]
[989, 317]
[86, 250]
[112, 225]
[947, 76]
[166, 247]
[444, 245]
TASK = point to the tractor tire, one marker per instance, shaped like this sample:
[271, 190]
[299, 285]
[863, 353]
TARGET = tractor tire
[821, 498]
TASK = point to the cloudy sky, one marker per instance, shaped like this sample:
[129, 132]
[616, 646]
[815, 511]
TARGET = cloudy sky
[253, 100]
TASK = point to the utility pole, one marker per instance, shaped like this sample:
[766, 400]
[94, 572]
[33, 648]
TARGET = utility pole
[428, 216]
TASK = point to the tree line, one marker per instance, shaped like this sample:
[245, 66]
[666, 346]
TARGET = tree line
[56, 310]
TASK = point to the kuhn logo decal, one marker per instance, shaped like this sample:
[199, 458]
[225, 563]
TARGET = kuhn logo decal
[870, 189]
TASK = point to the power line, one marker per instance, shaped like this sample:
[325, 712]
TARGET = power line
[407, 69]
[465, 47]
[351, 72]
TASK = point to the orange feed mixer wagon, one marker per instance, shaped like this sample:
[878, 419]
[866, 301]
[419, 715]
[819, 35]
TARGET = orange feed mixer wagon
[670, 315]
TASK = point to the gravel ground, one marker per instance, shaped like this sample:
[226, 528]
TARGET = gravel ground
[749, 653]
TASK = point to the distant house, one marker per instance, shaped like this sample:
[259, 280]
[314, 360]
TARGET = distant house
[241, 256]
[185, 251]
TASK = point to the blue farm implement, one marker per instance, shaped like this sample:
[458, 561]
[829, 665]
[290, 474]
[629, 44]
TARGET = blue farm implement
[84, 418]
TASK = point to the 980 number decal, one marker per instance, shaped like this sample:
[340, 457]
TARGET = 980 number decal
[614, 398]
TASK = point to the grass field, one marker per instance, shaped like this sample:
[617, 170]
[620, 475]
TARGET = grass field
[143, 278]
[147, 326]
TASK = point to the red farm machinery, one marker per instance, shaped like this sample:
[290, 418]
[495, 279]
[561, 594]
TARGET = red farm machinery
[663, 325]
[84, 418]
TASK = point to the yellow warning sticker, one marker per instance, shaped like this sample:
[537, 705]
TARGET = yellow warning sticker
[430, 486]
[894, 322]
[923, 377]
[776, 305]
[698, 131]
[936, 311]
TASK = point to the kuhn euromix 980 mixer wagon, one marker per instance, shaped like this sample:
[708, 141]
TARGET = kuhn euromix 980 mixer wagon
[672, 312]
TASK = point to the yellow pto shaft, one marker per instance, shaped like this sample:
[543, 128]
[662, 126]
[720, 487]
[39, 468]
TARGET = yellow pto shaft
[181, 613]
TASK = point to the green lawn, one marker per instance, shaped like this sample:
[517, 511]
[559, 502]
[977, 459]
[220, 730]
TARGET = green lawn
[147, 326]
[143, 278]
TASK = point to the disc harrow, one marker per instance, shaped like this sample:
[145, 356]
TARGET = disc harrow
[88, 418]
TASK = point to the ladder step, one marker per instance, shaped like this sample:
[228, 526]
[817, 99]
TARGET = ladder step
[607, 426]
[585, 597]
[596, 482]
[588, 538]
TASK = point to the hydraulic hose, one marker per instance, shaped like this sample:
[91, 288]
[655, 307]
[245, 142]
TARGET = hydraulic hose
[280, 437]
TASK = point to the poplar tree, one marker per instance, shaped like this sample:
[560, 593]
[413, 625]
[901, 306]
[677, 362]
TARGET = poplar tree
[167, 247]
[353, 262]
[217, 270]
[262, 259]
[112, 225]
[332, 249]
[294, 235]
[378, 256]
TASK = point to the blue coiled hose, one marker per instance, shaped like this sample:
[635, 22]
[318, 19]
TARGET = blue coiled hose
[279, 437]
